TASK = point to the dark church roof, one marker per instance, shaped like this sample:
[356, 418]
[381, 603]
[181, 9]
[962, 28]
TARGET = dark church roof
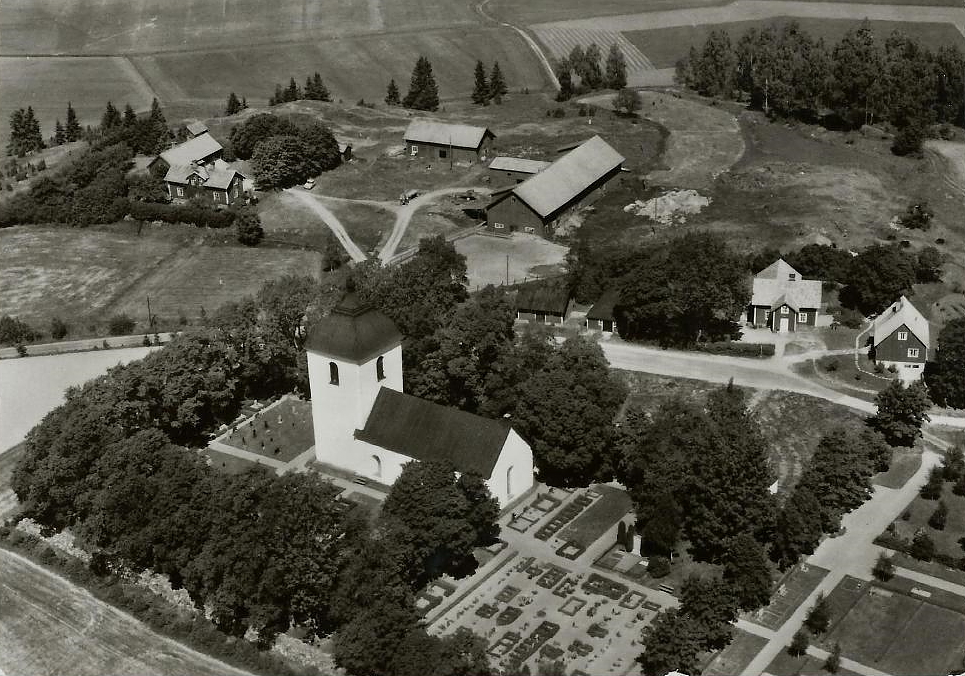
[431, 432]
[354, 331]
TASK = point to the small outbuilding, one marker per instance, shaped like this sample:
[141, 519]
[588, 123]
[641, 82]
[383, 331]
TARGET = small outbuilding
[600, 316]
[542, 303]
[515, 169]
[439, 141]
[900, 338]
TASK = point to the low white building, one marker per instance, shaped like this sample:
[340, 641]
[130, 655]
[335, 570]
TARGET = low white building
[365, 424]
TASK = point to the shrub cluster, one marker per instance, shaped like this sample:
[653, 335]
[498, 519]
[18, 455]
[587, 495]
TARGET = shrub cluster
[736, 349]
[192, 213]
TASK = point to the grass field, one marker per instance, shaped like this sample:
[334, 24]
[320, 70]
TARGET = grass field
[48, 84]
[353, 67]
[665, 46]
[805, 665]
[227, 463]
[599, 517]
[792, 589]
[736, 656]
[528, 256]
[946, 541]
[367, 225]
[904, 463]
[894, 631]
[207, 277]
[71, 273]
[49, 627]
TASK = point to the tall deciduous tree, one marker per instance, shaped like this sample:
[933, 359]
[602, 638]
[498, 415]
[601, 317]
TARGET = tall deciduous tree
[747, 571]
[901, 412]
[946, 377]
[877, 277]
[671, 643]
[616, 68]
[564, 75]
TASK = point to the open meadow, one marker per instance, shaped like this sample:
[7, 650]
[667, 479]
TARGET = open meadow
[50, 627]
[490, 260]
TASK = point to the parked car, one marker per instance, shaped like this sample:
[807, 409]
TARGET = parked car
[309, 184]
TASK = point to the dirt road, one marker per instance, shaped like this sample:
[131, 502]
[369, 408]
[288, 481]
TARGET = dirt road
[405, 213]
[331, 220]
[49, 627]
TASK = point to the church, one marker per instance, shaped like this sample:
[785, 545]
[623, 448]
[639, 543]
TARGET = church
[365, 424]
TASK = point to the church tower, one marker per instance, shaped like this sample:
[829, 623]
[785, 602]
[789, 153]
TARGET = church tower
[352, 354]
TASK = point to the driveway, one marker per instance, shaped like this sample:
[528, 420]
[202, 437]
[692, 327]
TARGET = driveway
[331, 220]
[405, 213]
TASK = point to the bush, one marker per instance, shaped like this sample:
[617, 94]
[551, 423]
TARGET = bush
[14, 331]
[120, 325]
[799, 644]
[58, 328]
[736, 349]
[658, 567]
[193, 214]
[884, 569]
[939, 517]
[922, 547]
[932, 490]
[849, 318]
[831, 365]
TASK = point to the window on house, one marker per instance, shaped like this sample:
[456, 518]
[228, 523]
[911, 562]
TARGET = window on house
[499, 226]
[902, 335]
[767, 314]
[380, 368]
[333, 373]
[791, 276]
[785, 310]
[912, 352]
[216, 196]
[529, 230]
[802, 317]
[443, 154]
[414, 150]
[180, 191]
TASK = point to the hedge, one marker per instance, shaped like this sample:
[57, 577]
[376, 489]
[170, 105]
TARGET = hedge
[164, 618]
[735, 349]
[200, 216]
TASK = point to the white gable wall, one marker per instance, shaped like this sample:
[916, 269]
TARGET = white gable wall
[513, 473]
[339, 410]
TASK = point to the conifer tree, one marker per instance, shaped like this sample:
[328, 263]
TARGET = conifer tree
[278, 97]
[616, 68]
[72, 130]
[480, 90]
[111, 118]
[497, 83]
[392, 94]
[423, 93]
[233, 105]
[244, 102]
[158, 133]
[293, 93]
[59, 136]
[25, 136]
[315, 89]
[130, 117]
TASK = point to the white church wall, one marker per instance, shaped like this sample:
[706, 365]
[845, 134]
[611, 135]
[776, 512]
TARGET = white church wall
[513, 473]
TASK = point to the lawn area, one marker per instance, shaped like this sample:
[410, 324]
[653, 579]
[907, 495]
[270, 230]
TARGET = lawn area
[893, 630]
[599, 517]
[920, 510]
[904, 463]
[648, 392]
[73, 273]
[782, 410]
[791, 590]
[932, 568]
[281, 432]
[528, 256]
[839, 338]
[844, 376]
[369, 226]
[732, 659]
[206, 277]
[229, 464]
[665, 46]
[805, 665]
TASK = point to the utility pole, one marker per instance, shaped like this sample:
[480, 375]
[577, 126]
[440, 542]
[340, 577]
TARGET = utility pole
[150, 319]
[507, 269]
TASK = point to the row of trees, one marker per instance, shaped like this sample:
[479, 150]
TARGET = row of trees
[145, 136]
[283, 154]
[314, 90]
[586, 65]
[25, 136]
[784, 70]
[464, 352]
[234, 105]
[694, 287]
[488, 89]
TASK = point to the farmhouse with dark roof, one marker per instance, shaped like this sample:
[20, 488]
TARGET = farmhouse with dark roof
[366, 425]
[542, 303]
[782, 300]
[535, 204]
[900, 338]
[442, 142]
[600, 317]
[195, 169]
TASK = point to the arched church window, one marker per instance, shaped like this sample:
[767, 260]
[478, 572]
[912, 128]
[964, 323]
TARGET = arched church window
[380, 368]
[509, 482]
[333, 372]
[378, 465]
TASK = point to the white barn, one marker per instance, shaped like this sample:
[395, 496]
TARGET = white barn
[365, 424]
